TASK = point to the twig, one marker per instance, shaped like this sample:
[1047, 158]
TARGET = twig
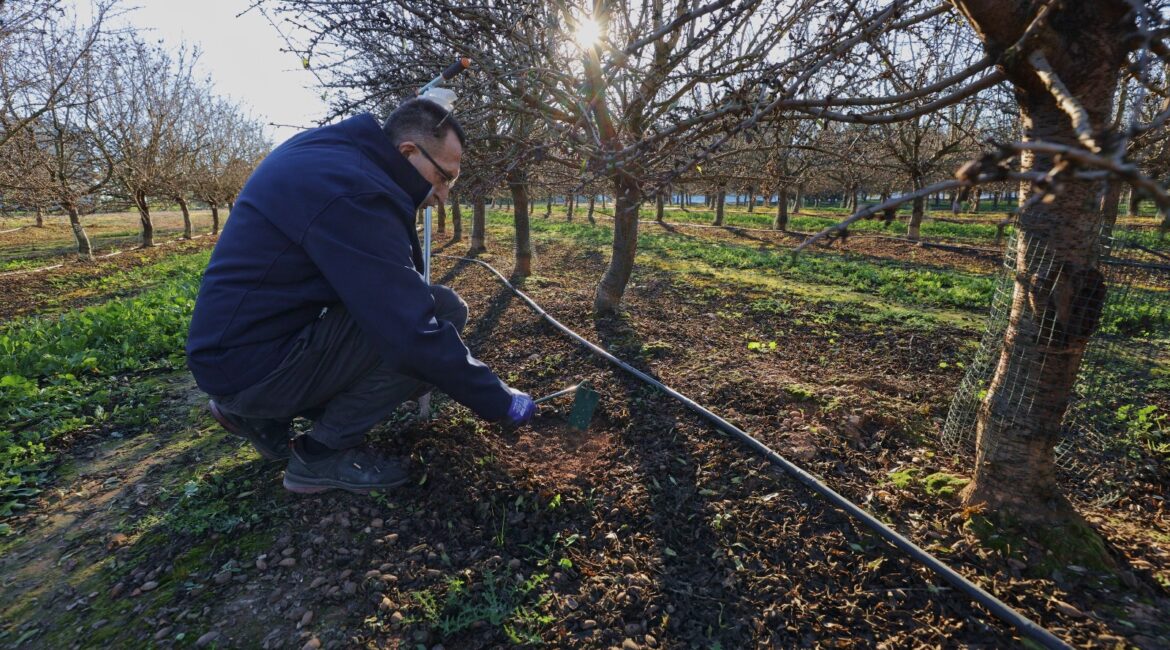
[1128, 172]
[1065, 99]
[869, 211]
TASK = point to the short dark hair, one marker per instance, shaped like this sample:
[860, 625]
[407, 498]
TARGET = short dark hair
[416, 119]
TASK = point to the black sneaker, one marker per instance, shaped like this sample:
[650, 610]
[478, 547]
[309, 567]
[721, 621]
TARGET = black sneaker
[269, 437]
[357, 469]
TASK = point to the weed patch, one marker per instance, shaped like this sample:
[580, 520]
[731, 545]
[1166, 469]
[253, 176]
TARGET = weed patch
[71, 373]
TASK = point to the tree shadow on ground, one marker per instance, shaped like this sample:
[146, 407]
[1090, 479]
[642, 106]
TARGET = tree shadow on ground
[679, 525]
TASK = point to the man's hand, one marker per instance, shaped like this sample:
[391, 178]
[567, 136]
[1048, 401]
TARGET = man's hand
[521, 410]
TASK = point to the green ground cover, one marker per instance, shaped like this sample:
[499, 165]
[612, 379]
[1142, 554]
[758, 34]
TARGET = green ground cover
[56, 372]
[901, 283]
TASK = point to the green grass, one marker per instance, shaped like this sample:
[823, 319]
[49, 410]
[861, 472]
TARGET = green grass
[68, 373]
[897, 282]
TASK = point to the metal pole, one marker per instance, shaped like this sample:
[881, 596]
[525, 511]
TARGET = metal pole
[424, 402]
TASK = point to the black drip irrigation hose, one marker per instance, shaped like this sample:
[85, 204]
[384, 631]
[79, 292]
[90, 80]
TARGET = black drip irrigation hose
[1001, 610]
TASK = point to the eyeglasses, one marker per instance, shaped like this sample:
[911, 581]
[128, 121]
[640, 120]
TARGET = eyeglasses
[448, 178]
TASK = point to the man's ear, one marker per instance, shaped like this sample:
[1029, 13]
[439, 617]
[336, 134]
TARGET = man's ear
[406, 147]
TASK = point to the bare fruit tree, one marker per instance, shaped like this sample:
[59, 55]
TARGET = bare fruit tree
[145, 93]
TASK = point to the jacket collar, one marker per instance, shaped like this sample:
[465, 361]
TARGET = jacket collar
[374, 142]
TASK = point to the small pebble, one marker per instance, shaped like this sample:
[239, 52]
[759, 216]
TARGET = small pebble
[386, 604]
[373, 574]
[117, 590]
[630, 644]
[651, 641]
[206, 639]
[163, 632]
[317, 582]
[514, 563]
[288, 551]
[261, 564]
[376, 523]
[628, 563]
[223, 577]
[312, 644]
[588, 624]
[396, 618]
[149, 586]
[306, 619]
[288, 562]
[350, 588]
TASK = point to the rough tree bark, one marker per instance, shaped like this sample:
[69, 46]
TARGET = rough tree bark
[589, 214]
[215, 218]
[84, 250]
[456, 220]
[144, 218]
[917, 211]
[720, 198]
[781, 220]
[627, 198]
[478, 211]
[518, 186]
[186, 216]
[658, 199]
[1055, 306]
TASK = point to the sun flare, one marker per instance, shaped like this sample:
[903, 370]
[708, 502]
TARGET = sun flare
[588, 32]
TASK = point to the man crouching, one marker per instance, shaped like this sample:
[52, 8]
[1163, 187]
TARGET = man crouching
[314, 303]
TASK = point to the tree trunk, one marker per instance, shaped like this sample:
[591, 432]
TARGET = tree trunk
[548, 207]
[40, 217]
[916, 212]
[589, 214]
[781, 220]
[976, 195]
[215, 218]
[627, 199]
[994, 201]
[186, 216]
[456, 220]
[1135, 203]
[84, 250]
[518, 185]
[720, 199]
[478, 209]
[799, 198]
[660, 207]
[1109, 200]
[751, 199]
[1059, 291]
[441, 226]
[144, 219]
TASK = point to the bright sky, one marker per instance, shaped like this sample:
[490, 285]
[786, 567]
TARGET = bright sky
[242, 55]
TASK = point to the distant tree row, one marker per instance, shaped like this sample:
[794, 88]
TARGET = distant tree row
[97, 118]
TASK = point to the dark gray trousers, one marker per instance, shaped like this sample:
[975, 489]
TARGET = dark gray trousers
[335, 376]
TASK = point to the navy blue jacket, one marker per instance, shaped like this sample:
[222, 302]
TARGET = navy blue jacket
[328, 218]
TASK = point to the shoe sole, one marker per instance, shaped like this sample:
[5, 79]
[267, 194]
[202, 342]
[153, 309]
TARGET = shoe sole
[235, 431]
[302, 485]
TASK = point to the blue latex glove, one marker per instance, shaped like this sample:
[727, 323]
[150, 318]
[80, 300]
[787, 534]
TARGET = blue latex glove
[521, 410]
